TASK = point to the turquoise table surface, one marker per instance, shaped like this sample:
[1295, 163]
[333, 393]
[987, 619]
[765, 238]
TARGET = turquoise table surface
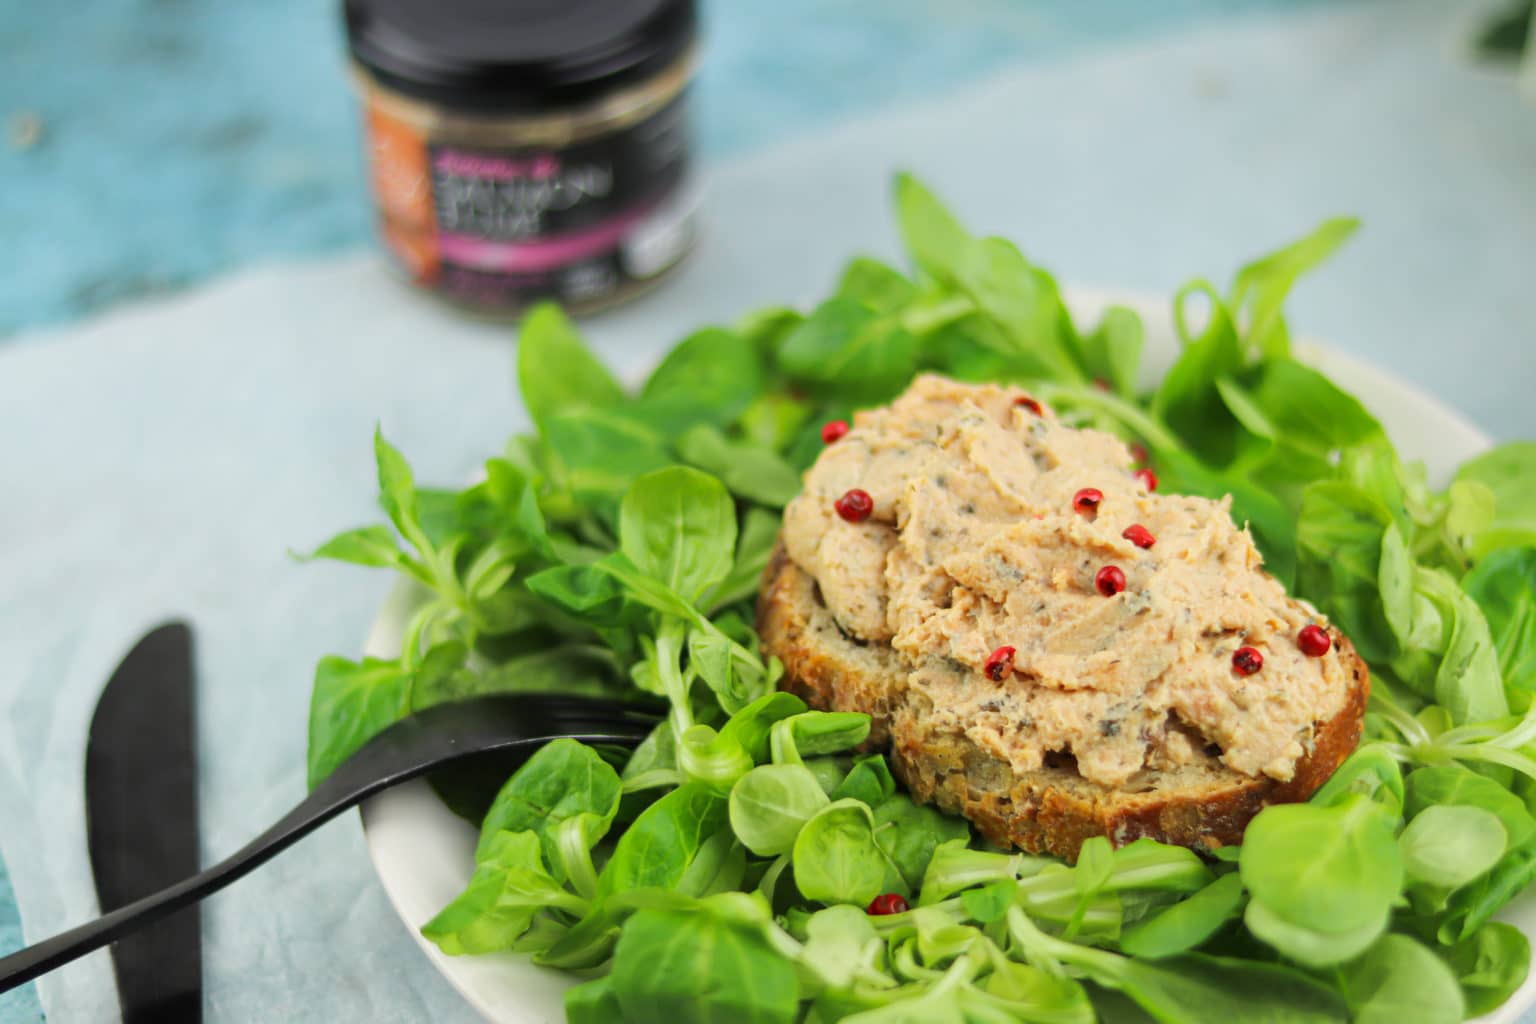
[178, 140]
[20, 1005]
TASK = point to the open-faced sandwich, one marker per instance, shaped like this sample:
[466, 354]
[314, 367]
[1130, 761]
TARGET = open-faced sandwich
[1048, 645]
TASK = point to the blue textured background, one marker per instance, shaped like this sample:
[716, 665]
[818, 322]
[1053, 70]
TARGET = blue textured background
[20, 1005]
[182, 138]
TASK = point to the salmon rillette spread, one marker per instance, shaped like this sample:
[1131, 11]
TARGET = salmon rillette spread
[1046, 600]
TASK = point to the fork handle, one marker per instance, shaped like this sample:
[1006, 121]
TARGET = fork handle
[40, 958]
[330, 798]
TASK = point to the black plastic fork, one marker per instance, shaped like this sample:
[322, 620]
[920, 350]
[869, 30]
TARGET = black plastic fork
[513, 726]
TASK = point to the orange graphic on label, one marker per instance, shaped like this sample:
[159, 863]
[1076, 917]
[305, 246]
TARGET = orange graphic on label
[398, 163]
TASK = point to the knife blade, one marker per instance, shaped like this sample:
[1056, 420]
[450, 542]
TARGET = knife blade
[141, 820]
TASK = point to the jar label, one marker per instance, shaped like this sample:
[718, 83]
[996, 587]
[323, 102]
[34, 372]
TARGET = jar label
[503, 227]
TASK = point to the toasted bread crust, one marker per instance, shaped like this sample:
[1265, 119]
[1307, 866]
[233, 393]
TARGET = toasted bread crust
[1050, 811]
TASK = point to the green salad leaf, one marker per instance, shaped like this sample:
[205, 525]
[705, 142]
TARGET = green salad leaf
[1450, 845]
[509, 889]
[351, 702]
[556, 373]
[1490, 965]
[677, 965]
[738, 864]
[677, 526]
[771, 804]
[1504, 587]
[1188, 924]
[1509, 473]
[568, 784]
[1398, 980]
[836, 858]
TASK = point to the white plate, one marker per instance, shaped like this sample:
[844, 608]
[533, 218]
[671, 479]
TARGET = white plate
[424, 853]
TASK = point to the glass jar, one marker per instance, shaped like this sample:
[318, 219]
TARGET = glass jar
[522, 150]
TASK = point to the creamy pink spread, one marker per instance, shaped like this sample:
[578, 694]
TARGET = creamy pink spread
[974, 544]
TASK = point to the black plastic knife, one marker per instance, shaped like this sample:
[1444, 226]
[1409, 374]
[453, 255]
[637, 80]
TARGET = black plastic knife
[141, 813]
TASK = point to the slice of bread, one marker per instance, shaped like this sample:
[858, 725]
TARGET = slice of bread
[1050, 810]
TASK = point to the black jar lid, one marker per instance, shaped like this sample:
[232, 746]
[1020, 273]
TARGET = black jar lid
[516, 56]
